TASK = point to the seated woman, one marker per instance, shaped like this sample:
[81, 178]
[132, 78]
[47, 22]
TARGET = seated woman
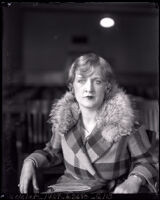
[96, 134]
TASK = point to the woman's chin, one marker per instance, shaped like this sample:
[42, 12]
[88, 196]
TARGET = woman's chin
[89, 105]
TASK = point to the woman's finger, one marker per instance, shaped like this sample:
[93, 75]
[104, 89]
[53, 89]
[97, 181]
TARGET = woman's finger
[25, 186]
[35, 185]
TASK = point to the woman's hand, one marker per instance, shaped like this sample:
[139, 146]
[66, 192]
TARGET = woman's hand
[28, 174]
[130, 185]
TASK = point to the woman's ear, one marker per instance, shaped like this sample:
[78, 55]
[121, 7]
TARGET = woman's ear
[71, 89]
[108, 88]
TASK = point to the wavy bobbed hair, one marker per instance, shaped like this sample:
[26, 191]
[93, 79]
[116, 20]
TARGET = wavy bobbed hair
[85, 64]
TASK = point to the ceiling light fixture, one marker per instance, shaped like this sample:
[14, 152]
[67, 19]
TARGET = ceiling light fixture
[107, 22]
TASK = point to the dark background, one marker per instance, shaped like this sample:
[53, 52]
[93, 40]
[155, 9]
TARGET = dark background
[39, 42]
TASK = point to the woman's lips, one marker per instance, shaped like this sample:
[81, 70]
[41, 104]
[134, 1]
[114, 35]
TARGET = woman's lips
[89, 97]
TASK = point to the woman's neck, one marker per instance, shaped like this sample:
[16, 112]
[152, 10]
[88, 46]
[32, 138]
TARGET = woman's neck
[88, 119]
[88, 115]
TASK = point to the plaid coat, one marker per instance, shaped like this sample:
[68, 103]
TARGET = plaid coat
[117, 147]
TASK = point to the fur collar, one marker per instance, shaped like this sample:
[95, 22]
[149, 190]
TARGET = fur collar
[115, 118]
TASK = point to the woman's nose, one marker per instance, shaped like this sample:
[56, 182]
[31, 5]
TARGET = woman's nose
[89, 87]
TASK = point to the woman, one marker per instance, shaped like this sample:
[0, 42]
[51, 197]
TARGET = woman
[95, 132]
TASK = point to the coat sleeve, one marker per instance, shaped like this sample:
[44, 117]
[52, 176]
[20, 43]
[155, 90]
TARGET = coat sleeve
[144, 161]
[49, 156]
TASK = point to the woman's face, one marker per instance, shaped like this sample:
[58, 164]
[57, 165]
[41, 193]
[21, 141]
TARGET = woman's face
[89, 90]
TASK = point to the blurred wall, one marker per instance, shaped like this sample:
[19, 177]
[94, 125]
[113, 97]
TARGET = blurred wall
[42, 42]
[49, 43]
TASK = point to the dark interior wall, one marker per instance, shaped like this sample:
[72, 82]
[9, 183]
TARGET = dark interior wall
[12, 75]
[131, 46]
[40, 43]
[11, 43]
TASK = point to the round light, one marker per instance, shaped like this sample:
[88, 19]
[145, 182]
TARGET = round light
[107, 22]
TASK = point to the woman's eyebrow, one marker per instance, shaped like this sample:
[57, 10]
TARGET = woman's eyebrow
[81, 76]
[97, 77]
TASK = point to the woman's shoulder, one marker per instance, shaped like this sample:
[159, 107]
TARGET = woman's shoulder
[64, 113]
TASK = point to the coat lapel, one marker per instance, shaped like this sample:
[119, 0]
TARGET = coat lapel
[74, 141]
[97, 145]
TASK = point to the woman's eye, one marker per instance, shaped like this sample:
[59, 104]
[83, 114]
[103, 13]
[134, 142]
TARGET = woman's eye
[98, 82]
[81, 81]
